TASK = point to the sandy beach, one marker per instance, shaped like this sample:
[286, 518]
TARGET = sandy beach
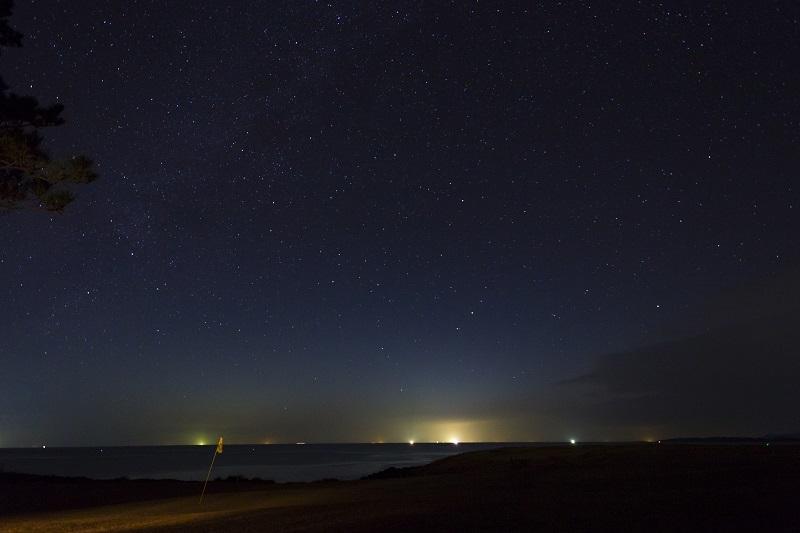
[648, 487]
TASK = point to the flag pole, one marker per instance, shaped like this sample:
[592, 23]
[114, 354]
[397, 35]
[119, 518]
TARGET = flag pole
[217, 449]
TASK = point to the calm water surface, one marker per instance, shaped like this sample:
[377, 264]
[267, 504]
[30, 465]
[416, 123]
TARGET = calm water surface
[280, 462]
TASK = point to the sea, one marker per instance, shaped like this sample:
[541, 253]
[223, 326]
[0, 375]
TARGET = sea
[277, 462]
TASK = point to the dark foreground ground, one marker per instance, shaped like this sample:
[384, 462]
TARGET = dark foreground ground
[654, 487]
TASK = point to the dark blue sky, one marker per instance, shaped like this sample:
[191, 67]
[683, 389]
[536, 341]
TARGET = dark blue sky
[328, 221]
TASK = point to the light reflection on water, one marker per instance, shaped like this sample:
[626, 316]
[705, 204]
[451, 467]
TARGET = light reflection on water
[279, 462]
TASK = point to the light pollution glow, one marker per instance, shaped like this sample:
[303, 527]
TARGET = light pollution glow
[441, 431]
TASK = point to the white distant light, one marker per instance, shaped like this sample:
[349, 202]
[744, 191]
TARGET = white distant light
[572, 441]
[43, 446]
[411, 442]
[455, 442]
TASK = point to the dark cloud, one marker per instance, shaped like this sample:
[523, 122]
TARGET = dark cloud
[738, 378]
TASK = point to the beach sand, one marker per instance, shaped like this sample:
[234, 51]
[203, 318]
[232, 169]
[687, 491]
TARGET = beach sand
[647, 487]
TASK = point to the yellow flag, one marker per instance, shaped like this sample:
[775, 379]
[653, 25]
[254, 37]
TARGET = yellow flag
[219, 445]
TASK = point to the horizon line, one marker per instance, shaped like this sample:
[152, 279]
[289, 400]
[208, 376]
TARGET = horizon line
[323, 443]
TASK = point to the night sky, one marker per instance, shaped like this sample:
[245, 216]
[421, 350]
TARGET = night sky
[360, 222]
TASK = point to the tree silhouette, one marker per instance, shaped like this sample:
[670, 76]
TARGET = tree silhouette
[29, 178]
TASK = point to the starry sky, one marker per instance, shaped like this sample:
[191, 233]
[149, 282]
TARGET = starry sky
[367, 222]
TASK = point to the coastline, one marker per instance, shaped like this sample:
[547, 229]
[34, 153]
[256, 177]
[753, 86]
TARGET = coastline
[608, 487]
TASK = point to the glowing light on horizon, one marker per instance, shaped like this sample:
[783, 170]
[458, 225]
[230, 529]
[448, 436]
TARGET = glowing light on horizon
[453, 431]
[572, 441]
[411, 442]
